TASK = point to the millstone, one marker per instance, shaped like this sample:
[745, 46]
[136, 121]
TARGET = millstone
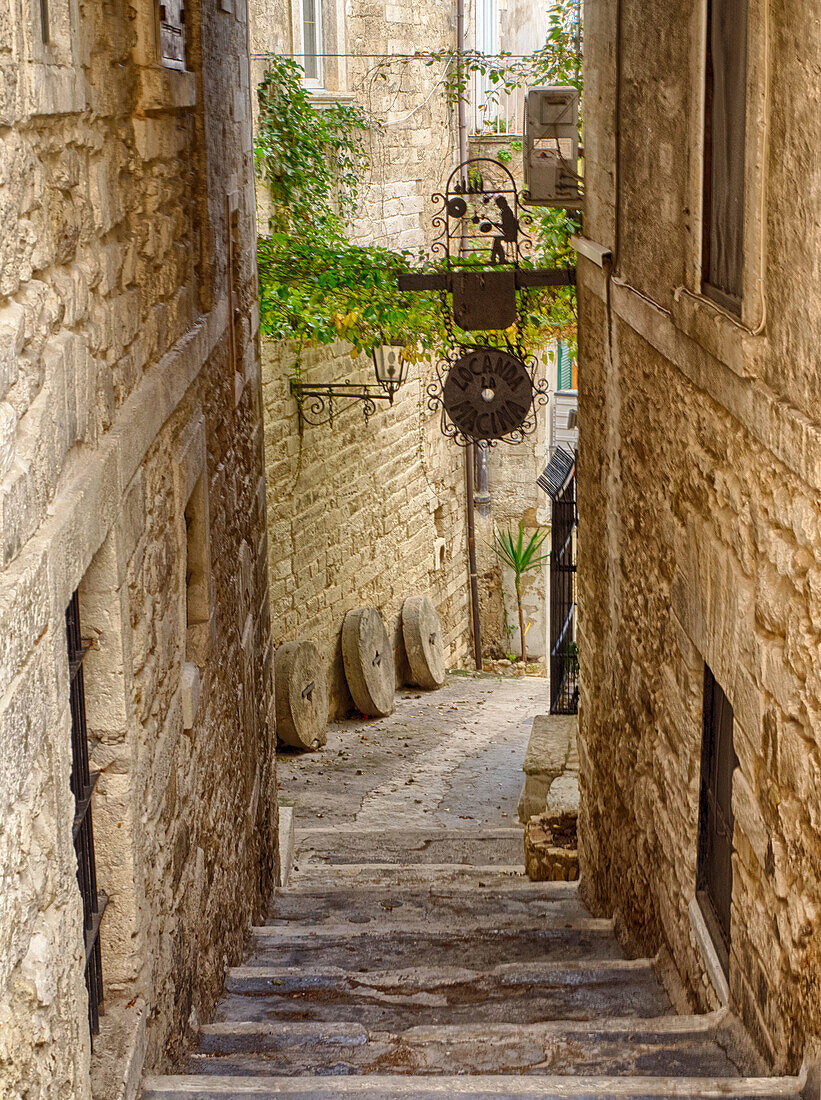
[424, 645]
[368, 659]
[301, 695]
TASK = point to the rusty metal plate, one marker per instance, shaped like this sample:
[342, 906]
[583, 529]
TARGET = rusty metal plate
[484, 300]
[488, 393]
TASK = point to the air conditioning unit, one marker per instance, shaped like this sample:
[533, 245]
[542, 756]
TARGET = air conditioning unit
[551, 148]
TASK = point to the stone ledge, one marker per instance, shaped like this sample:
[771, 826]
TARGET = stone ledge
[545, 760]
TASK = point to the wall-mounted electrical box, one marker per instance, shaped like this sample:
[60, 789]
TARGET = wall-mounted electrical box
[551, 148]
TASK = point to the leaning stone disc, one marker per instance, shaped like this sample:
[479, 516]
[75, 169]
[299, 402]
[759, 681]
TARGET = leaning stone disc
[424, 644]
[301, 695]
[368, 658]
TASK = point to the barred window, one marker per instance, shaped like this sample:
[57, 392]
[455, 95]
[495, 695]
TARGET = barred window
[83, 781]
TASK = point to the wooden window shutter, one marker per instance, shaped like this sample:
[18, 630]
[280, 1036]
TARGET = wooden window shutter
[724, 149]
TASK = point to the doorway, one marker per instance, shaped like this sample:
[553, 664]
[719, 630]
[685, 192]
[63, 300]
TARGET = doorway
[714, 881]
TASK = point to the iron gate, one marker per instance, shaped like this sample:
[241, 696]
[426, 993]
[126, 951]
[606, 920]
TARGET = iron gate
[564, 662]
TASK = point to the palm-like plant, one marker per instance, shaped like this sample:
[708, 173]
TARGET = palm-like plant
[521, 557]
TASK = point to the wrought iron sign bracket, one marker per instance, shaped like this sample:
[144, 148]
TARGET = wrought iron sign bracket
[485, 393]
[317, 402]
[523, 278]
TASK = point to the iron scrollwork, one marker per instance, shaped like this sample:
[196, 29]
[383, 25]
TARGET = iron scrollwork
[491, 407]
[480, 208]
[319, 404]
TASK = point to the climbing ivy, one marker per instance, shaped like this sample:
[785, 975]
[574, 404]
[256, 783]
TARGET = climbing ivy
[311, 160]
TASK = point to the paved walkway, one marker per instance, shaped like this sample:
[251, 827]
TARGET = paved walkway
[410, 957]
[451, 757]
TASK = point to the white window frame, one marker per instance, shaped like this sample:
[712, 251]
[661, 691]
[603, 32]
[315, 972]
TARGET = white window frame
[317, 81]
[331, 63]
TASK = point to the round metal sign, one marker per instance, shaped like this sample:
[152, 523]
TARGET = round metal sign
[488, 393]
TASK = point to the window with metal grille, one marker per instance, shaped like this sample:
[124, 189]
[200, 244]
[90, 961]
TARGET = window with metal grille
[714, 883]
[725, 126]
[83, 781]
[564, 662]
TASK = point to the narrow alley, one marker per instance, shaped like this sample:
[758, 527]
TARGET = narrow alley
[410, 549]
[409, 956]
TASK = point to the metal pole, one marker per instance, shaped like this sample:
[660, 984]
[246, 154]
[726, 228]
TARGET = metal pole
[482, 494]
[469, 450]
[474, 579]
[461, 104]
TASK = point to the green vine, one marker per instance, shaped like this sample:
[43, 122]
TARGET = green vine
[316, 286]
[311, 160]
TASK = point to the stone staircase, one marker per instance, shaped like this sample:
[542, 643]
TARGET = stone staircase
[410, 963]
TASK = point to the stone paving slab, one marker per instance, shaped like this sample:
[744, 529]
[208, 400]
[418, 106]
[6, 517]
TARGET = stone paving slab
[420, 874]
[579, 990]
[354, 844]
[689, 1046]
[466, 1087]
[399, 903]
[476, 949]
[472, 1087]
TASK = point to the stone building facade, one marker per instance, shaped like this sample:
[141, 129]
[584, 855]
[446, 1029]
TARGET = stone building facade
[699, 492]
[361, 515]
[367, 514]
[131, 473]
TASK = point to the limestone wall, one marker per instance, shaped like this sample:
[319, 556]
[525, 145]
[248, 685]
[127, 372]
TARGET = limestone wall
[129, 380]
[361, 515]
[699, 494]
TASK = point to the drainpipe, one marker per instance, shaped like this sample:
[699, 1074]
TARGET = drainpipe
[461, 107]
[482, 494]
[470, 449]
[474, 579]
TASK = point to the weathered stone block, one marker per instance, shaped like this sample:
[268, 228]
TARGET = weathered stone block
[551, 853]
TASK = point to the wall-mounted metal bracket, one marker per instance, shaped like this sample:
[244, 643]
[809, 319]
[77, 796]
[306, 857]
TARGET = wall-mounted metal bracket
[317, 401]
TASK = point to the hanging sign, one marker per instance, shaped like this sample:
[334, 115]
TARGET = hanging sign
[488, 394]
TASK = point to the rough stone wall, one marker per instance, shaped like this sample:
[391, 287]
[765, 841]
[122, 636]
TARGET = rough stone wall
[699, 494]
[417, 146]
[124, 382]
[360, 515]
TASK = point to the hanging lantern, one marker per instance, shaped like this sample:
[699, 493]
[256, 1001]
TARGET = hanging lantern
[391, 368]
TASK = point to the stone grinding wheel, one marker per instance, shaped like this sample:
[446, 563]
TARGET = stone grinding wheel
[368, 659]
[301, 695]
[424, 644]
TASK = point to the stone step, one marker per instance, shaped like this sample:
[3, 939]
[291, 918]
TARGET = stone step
[474, 906]
[468, 1087]
[406, 874]
[369, 949]
[449, 995]
[352, 844]
[692, 1046]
